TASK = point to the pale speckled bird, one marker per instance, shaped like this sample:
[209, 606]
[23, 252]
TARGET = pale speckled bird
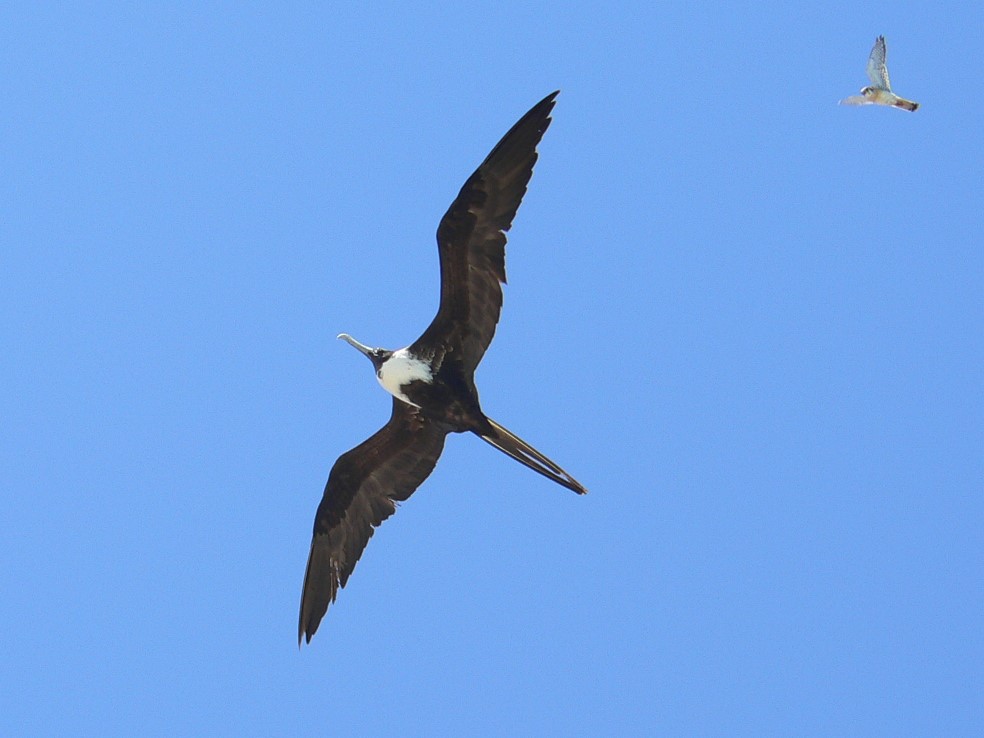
[879, 92]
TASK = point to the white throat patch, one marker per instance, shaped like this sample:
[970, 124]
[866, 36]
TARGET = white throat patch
[400, 370]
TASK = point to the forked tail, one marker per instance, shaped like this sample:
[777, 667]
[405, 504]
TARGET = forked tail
[525, 454]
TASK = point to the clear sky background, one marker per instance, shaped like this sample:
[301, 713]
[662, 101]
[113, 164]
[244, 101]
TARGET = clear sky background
[747, 319]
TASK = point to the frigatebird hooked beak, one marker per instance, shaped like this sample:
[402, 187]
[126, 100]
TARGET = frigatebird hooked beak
[432, 379]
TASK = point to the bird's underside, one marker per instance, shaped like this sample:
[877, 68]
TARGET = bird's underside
[432, 380]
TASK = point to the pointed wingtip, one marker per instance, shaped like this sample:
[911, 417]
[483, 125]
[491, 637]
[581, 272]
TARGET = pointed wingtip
[306, 630]
[549, 101]
[300, 631]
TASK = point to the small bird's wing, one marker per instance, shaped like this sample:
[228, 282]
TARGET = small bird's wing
[877, 70]
[363, 487]
[855, 100]
[471, 241]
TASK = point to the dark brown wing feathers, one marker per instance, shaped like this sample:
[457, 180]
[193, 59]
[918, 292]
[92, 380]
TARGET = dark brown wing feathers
[366, 482]
[471, 241]
[362, 490]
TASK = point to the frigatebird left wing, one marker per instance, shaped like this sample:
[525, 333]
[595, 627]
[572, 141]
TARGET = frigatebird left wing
[471, 241]
[362, 491]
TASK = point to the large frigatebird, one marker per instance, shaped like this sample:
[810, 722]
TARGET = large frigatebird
[432, 379]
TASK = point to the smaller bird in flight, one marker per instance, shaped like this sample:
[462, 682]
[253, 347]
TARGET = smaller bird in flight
[879, 92]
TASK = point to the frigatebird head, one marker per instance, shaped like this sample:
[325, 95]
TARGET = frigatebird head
[376, 355]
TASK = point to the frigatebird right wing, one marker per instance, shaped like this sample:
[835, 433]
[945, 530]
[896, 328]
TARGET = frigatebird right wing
[471, 240]
[362, 491]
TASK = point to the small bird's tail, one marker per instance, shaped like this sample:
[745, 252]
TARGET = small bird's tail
[524, 453]
[906, 104]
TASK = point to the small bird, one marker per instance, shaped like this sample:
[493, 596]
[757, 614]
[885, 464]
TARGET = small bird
[432, 379]
[879, 92]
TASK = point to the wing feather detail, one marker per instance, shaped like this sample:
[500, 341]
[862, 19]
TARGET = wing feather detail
[362, 491]
[471, 242]
[877, 68]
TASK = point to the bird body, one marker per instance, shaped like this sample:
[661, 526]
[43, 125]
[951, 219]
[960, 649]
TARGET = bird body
[432, 379]
[402, 373]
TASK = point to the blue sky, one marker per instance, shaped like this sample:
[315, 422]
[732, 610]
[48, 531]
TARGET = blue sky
[747, 319]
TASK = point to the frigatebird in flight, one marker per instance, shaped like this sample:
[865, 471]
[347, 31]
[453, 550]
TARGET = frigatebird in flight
[432, 379]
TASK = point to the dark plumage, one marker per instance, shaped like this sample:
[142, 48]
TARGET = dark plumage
[432, 380]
